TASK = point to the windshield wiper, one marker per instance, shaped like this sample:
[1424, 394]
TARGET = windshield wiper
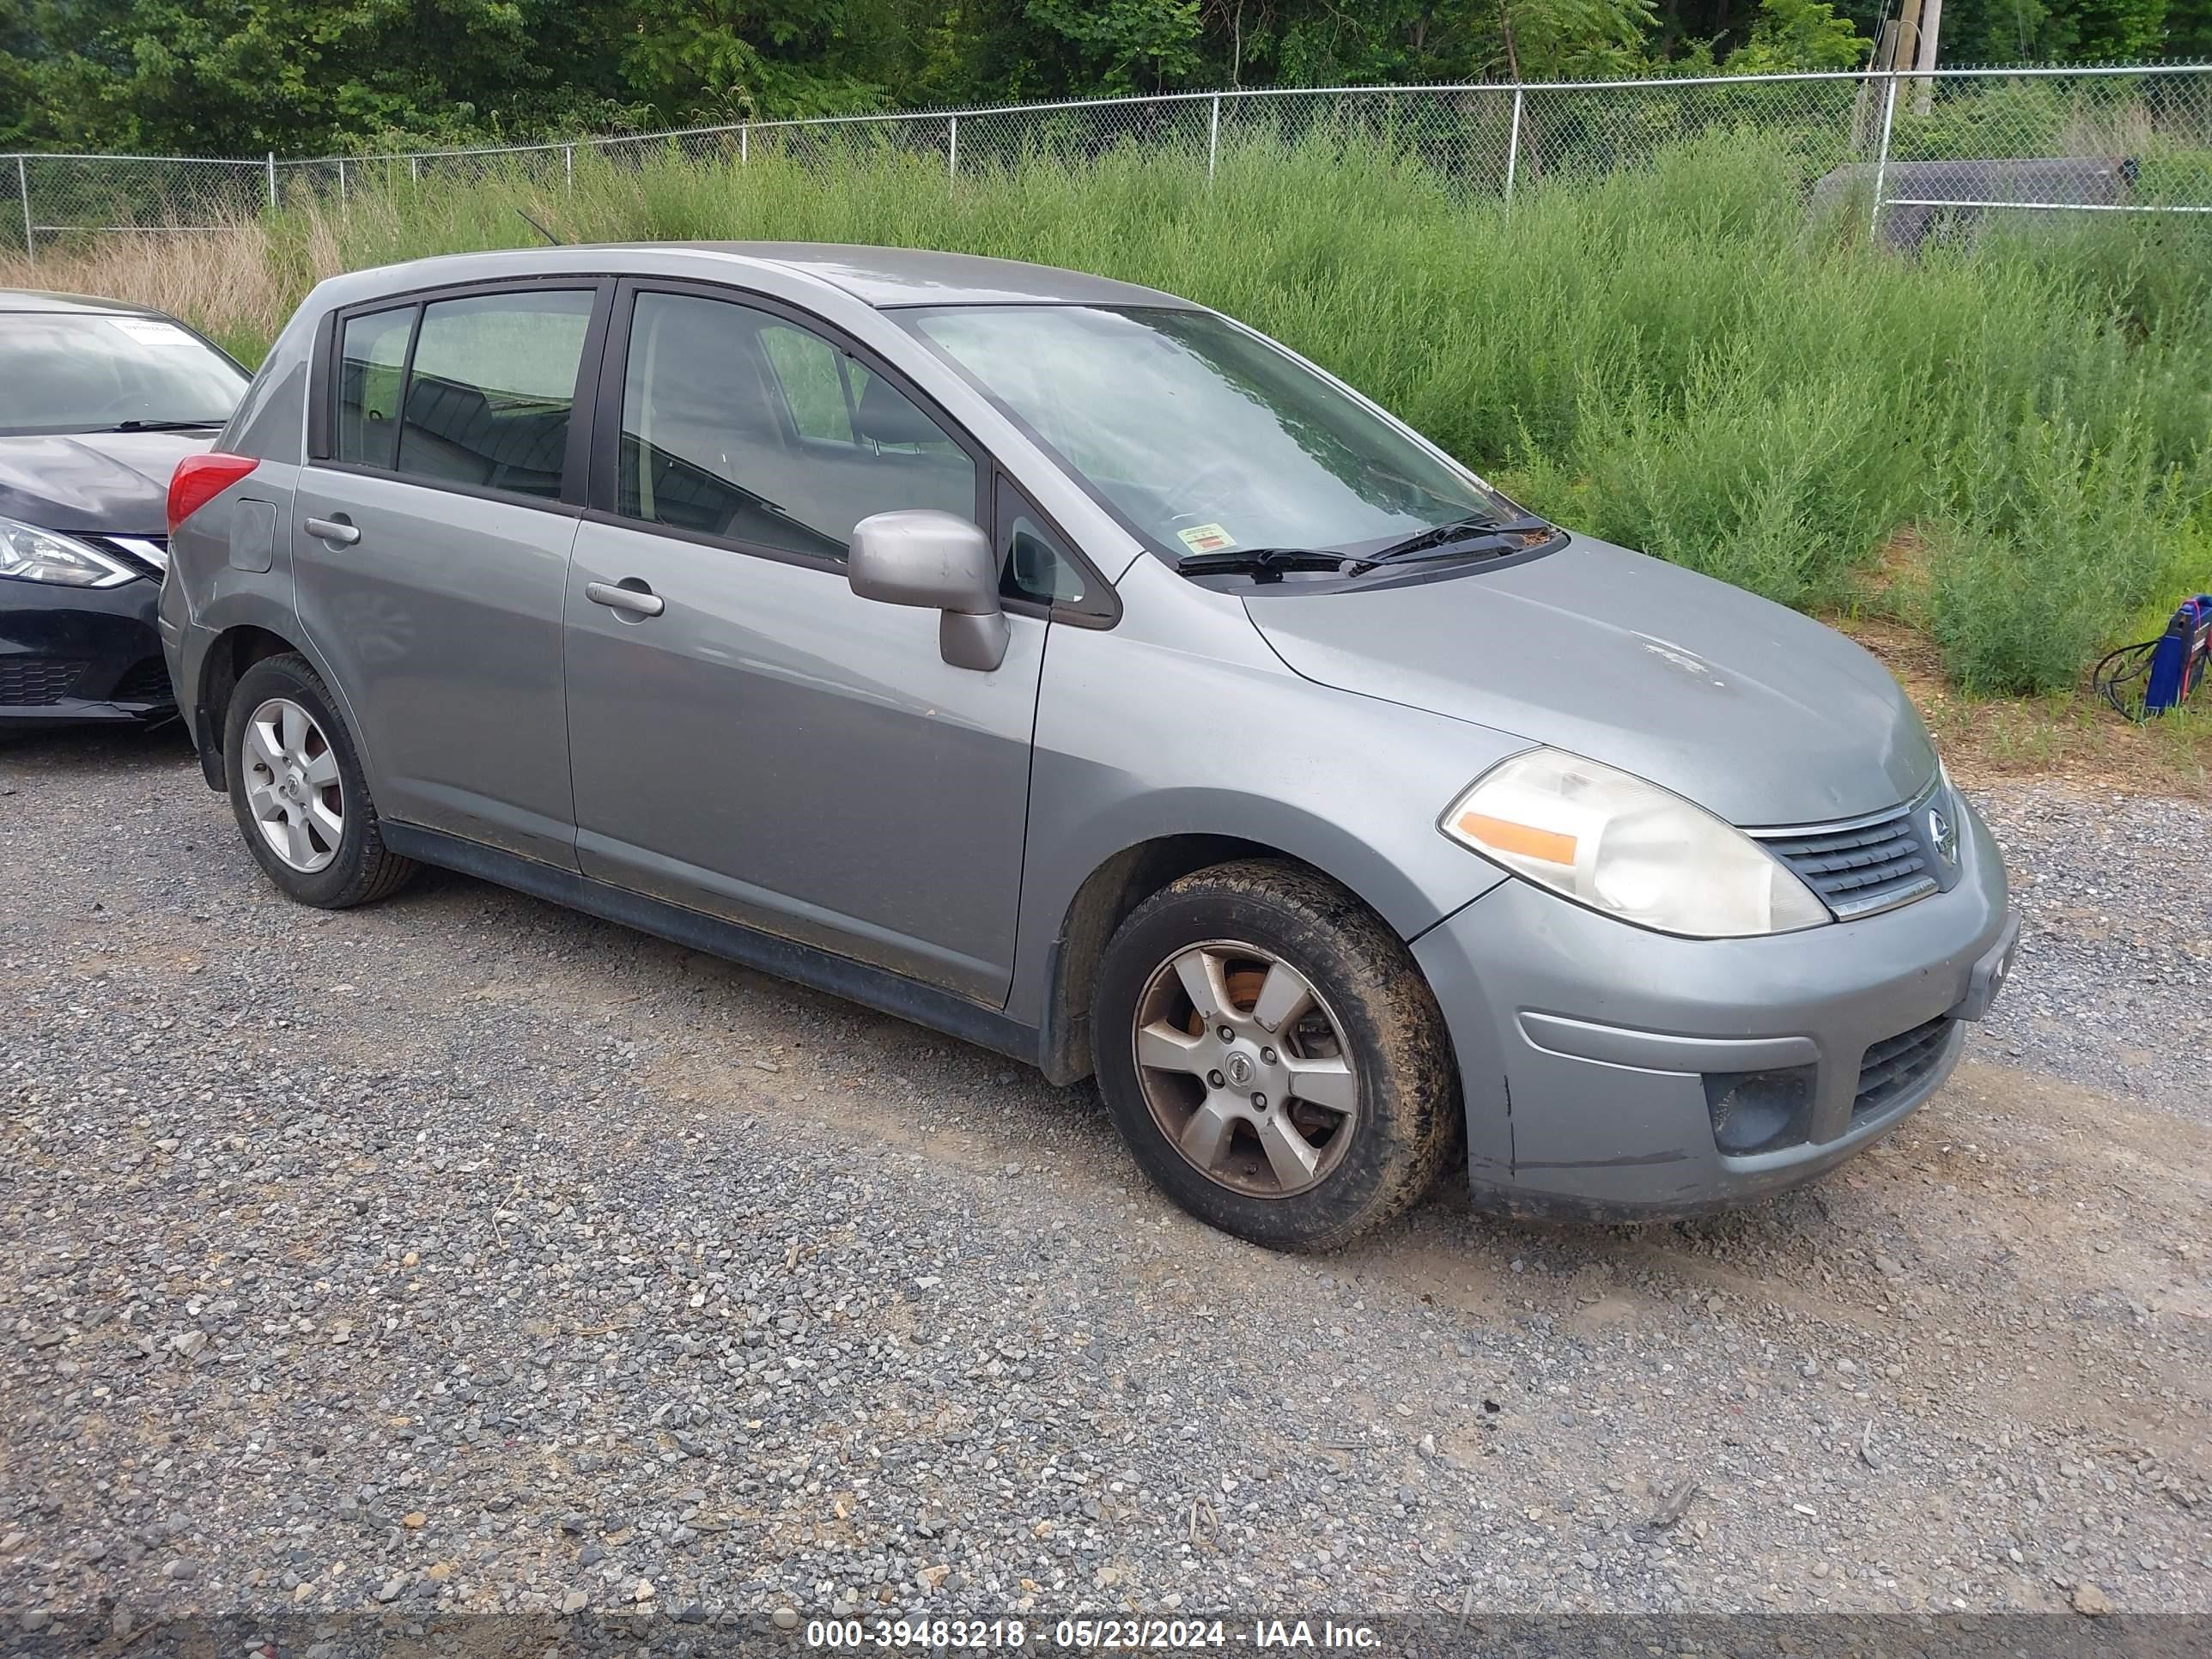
[1478, 533]
[1264, 564]
[161, 426]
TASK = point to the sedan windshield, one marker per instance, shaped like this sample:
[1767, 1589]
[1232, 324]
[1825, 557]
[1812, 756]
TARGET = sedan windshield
[1202, 437]
[83, 372]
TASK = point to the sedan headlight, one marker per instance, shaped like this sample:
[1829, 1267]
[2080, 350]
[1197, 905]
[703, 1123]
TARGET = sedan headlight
[32, 555]
[1628, 848]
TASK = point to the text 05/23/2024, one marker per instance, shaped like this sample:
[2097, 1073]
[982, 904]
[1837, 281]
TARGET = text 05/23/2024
[1092, 1635]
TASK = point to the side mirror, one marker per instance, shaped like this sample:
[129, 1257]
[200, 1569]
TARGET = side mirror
[924, 557]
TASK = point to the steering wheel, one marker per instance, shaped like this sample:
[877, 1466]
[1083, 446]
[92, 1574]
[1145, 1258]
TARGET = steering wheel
[123, 406]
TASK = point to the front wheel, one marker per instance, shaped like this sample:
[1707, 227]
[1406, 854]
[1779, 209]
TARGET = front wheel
[1273, 1057]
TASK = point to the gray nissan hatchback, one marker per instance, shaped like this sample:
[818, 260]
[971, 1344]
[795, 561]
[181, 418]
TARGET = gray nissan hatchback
[1066, 666]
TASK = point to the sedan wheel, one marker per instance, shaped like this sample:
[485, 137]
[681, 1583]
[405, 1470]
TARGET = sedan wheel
[1246, 1069]
[292, 786]
[297, 790]
[1272, 1055]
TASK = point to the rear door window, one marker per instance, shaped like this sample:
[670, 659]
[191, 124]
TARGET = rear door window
[488, 397]
[492, 388]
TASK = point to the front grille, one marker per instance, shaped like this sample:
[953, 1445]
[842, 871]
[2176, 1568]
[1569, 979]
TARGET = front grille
[145, 549]
[1894, 1068]
[146, 681]
[1863, 869]
[36, 682]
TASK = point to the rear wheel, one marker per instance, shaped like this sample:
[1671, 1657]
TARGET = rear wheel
[1273, 1057]
[297, 791]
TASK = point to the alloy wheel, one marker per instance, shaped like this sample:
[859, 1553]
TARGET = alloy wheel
[1246, 1069]
[292, 786]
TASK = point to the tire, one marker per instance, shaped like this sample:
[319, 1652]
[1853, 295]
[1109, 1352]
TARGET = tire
[1367, 1033]
[338, 869]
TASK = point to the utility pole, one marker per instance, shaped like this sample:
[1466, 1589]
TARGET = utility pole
[1865, 104]
[1931, 23]
[1904, 49]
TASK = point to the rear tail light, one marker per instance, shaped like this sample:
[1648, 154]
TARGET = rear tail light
[199, 479]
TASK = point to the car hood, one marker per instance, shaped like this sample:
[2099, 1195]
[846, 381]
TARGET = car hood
[1755, 713]
[114, 483]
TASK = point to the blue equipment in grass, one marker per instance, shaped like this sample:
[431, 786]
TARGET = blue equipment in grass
[2167, 669]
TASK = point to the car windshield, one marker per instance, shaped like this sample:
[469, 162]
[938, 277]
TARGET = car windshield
[84, 372]
[1201, 436]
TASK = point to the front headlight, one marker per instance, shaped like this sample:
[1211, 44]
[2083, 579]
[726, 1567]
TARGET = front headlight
[1628, 848]
[32, 555]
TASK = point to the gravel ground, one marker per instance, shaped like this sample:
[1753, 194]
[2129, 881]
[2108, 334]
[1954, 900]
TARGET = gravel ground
[2116, 946]
[465, 1253]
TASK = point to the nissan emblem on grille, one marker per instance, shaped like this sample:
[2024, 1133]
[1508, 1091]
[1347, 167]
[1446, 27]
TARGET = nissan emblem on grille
[1944, 834]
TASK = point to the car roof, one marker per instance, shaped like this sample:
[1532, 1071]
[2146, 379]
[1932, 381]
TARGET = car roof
[886, 276]
[880, 277]
[32, 299]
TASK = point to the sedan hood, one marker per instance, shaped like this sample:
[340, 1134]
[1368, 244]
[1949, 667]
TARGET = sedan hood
[114, 483]
[1755, 713]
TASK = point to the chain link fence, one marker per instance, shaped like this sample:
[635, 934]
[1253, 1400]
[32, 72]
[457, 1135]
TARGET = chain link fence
[1915, 151]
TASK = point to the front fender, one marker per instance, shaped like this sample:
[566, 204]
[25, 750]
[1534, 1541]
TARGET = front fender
[1138, 742]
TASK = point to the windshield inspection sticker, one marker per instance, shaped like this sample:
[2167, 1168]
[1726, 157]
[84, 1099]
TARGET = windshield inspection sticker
[1206, 539]
[150, 331]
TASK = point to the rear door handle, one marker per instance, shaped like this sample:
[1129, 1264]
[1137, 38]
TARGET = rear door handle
[336, 530]
[639, 601]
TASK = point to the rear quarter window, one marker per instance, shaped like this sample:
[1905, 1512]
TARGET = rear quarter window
[372, 358]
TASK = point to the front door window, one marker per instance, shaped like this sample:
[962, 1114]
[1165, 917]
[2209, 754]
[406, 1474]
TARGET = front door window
[740, 425]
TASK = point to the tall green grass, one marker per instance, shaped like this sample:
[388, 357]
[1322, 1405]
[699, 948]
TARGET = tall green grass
[1676, 358]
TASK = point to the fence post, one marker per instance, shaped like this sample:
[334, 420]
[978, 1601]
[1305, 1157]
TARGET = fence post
[952, 147]
[745, 145]
[1213, 138]
[1881, 160]
[569, 165]
[415, 171]
[30, 237]
[273, 181]
[1513, 152]
[342, 183]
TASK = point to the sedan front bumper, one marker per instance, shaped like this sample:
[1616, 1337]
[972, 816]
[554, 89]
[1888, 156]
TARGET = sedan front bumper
[1612, 1073]
[73, 655]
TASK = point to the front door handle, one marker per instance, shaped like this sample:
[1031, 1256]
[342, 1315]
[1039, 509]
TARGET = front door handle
[336, 531]
[639, 601]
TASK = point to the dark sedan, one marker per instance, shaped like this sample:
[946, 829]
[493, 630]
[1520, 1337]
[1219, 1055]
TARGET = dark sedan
[98, 401]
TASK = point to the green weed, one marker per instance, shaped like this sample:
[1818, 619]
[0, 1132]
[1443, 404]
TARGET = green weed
[1674, 355]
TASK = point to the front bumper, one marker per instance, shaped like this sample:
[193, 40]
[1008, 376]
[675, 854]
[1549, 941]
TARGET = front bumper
[1598, 1058]
[77, 655]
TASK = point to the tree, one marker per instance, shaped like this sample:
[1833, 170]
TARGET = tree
[731, 59]
[238, 76]
[301, 77]
[1797, 34]
[2120, 31]
[2189, 29]
[1126, 46]
[1575, 40]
